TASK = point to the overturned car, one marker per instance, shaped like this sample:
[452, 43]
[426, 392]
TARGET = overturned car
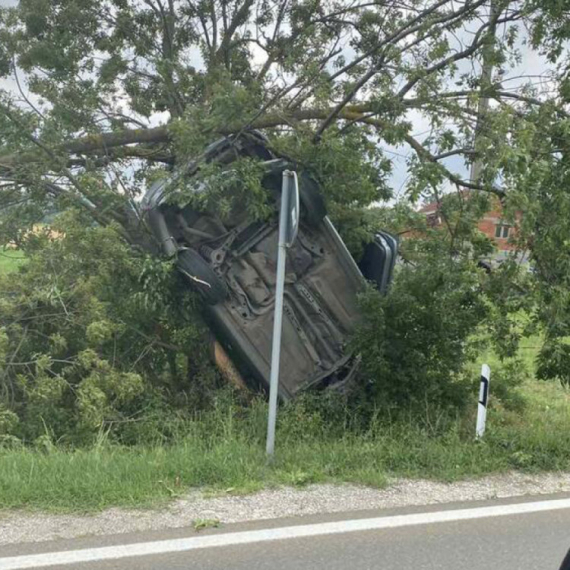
[231, 263]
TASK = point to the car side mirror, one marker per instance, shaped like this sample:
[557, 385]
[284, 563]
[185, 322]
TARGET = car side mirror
[377, 263]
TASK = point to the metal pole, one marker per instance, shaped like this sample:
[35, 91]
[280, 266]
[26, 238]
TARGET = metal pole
[486, 80]
[483, 398]
[278, 317]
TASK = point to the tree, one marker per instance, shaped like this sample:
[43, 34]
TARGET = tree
[108, 88]
[109, 94]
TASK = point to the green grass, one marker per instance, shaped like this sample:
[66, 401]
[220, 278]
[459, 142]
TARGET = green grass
[224, 453]
[10, 260]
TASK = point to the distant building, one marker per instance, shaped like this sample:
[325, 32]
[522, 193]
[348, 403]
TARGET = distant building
[491, 224]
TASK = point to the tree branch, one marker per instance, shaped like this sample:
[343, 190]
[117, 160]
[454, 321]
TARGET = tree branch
[423, 153]
[355, 113]
[394, 38]
[239, 18]
[97, 143]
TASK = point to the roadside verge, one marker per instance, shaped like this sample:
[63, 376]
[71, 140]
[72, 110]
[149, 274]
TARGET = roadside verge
[198, 509]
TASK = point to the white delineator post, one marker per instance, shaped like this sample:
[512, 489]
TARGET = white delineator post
[483, 398]
[288, 222]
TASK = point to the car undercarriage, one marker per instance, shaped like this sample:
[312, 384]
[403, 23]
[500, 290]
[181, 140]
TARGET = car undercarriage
[231, 261]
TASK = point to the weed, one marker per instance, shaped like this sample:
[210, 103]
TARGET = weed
[201, 524]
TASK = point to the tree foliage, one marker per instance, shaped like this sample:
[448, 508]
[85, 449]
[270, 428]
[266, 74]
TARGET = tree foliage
[108, 95]
[108, 88]
[91, 336]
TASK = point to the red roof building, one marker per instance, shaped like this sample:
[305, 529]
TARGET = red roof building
[491, 224]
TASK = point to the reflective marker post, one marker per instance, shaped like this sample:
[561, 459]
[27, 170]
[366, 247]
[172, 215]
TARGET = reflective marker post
[288, 227]
[483, 398]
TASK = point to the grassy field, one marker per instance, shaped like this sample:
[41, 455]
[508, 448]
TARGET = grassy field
[224, 452]
[10, 260]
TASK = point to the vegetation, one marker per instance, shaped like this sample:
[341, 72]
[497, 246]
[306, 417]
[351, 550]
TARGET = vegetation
[95, 339]
[93, 336]
[102, 349]
[416, 342]
[10, 260]
[222, 451]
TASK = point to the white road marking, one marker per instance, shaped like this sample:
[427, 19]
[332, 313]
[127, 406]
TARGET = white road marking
[283, 533]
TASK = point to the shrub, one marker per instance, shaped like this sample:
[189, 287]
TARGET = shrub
[92, 334]
[416, 341]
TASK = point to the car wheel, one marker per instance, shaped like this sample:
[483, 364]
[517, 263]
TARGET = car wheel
[202, 277]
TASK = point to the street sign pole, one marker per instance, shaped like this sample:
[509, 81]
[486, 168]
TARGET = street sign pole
[288, 225]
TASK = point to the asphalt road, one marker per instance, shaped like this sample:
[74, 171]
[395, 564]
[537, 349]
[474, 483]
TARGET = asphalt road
[472, 536]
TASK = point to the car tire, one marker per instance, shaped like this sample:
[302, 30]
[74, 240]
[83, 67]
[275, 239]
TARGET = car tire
[201, 276]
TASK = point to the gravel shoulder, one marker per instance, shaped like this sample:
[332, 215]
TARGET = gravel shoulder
[18, 527]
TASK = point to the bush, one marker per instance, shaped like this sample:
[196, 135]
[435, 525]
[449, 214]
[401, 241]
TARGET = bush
[93, 335]
[415, 342]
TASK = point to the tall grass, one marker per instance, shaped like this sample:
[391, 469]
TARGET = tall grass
[223, 451]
